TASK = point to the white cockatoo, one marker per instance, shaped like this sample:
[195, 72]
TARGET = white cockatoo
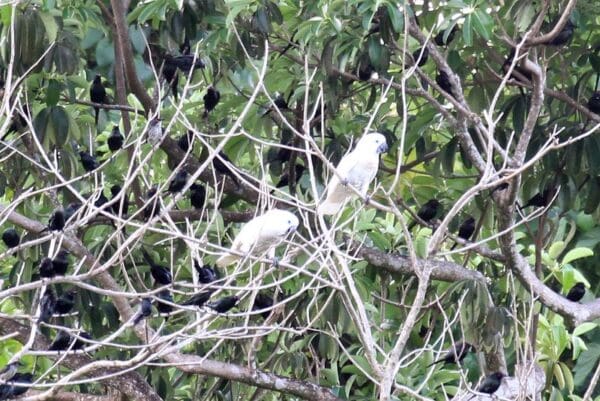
[261, 234]
[356, 169]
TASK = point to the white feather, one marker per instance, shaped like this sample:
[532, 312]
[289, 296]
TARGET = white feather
[358, 168]
[261, 234]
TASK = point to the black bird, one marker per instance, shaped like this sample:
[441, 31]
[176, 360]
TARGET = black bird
[439, 38]
[365, 71]
[101, 199]
[57, 220]
[97, 94]
[456, 354]
[221, 165]
[80, 343]
[116, 207]
[563, 36]
[224, 304]
[10, 237]
[17, 386]
[161, 274]
[206, 274]
[199, 299]
[71, 209]
[185, 140]
[61, 341]
[115, 139]
[178, 182]
[541, 199]
[65, 303]
[47, 305]
[60, 263]
[88, 161]
[576, 292]
[427, 212]
[594, 103]
[423, 53]
[466, 229]
[285, 178]
[280, 102]
[262, 301]
[197, 195]
[522, 71]
[185, 48]
[152, 207]
[491, 383]
[46, 268]
[9, 371]
[169, 72]
[145, 310]
[186, 63]
[163, 307]
[443, 80]
[211, 99]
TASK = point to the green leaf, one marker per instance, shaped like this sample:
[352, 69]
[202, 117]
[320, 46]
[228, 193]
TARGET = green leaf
[467, 32]
[577, 253]
[584, 328]
[555, 249]
[50, 25]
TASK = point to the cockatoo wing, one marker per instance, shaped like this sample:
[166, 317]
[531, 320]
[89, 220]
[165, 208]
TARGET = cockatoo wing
[337, 192]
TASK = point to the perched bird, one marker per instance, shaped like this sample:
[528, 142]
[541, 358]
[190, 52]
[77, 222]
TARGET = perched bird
[115, 139]
[9, 371]
[65, 303]
[261, 234]
[46, 268]
[221, 164]
[56, 221]
[47, 305]
[145, 310]
[101, 199]
[71, 209]
[155, 132]
[285, 178]
[280, 102]
[594, 103]
[152, 205]
[178, 182]
[187, 63]
[439, 38]
[443, 80]
[576, 292]
[491, 383]
[211, 99]
[261, 302]
[427, 212]
[185, 140]
[365, 71]
[161, 274]
[541, 199]
[199, 299]
[97, 94]
[88, 161]
[80, 342]
[119, 208]
[197, 195]
[456, 354]
[522, 71]
[466, 229]
[224, 304]
[564, 36]
[10, 237]
[17, 386]
[421, 56]
[164, 307]
[61, 341]
[356, 169]
[169, 72]
[60, 263]
[206, 274]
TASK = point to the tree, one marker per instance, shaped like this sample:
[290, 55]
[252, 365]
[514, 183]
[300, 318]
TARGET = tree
[483, 106]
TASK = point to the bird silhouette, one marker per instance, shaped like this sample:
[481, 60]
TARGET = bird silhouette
[97, 94]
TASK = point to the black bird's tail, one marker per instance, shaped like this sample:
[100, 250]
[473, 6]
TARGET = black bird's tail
[412, 225]
[433, 363]
[97, 109]
[454, 246]
[147, 257]
[138, 319]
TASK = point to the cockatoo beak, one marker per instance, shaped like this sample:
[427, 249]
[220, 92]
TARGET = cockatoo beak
[382, 148]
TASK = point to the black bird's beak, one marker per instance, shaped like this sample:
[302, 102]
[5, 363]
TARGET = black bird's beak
[382, 148]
